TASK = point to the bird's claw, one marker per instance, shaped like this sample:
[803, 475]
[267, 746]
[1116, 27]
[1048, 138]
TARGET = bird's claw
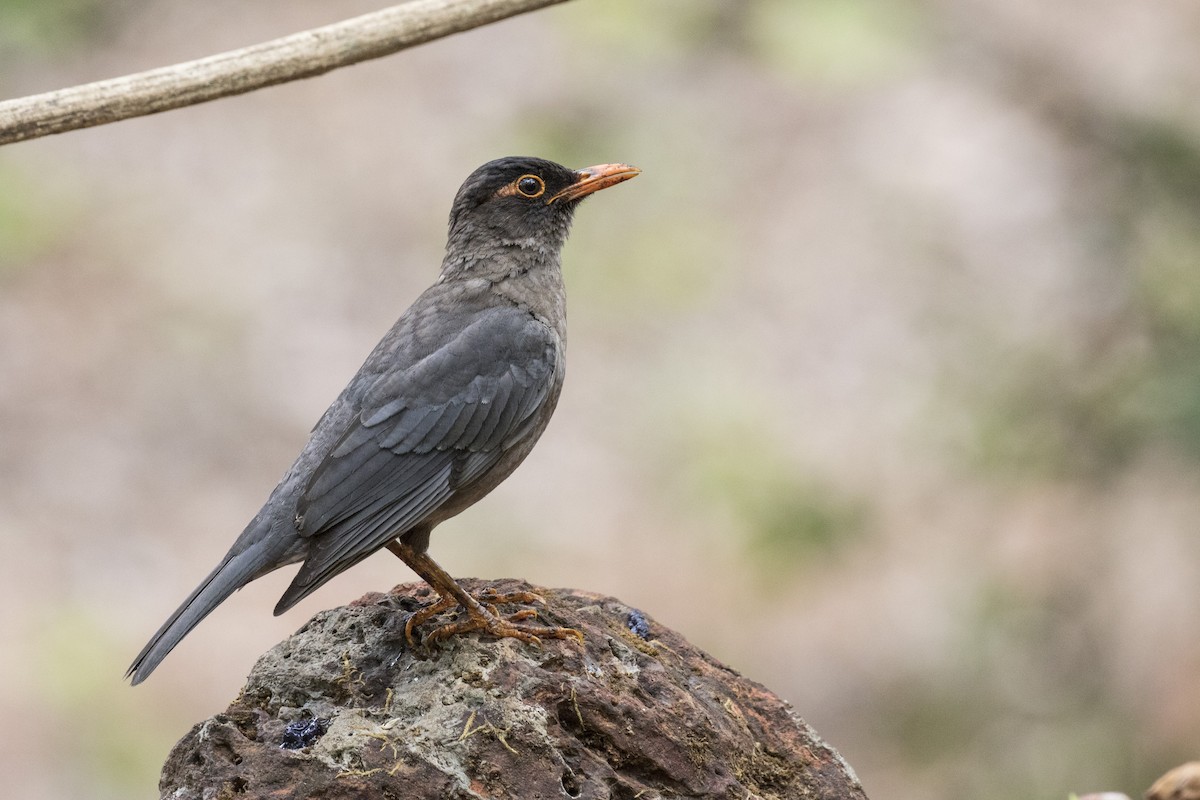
[421, 615]
[486, 618]
[491, 597]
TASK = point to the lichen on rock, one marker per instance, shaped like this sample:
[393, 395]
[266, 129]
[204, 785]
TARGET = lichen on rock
[635, 711]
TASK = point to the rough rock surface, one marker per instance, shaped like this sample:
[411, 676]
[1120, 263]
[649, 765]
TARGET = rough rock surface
[1181, 783]
[345, 709]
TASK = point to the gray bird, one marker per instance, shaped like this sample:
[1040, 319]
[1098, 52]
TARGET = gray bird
[445, 407]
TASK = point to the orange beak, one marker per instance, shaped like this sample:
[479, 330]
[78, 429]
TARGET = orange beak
[593, 179]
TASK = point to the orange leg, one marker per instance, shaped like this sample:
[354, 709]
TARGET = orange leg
[481, 616]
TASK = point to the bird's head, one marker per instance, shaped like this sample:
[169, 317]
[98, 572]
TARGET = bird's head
[525, 202]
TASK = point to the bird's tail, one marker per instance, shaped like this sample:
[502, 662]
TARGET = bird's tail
[234, 572]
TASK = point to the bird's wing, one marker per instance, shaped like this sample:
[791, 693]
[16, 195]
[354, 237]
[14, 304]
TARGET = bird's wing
[424, 432]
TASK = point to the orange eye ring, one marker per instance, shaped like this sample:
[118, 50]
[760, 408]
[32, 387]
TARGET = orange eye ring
[530, 186]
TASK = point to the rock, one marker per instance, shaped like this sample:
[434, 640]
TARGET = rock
[1181, 783]
[345, 709]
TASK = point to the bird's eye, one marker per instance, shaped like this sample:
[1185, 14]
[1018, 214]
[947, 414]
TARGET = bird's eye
[531, 186]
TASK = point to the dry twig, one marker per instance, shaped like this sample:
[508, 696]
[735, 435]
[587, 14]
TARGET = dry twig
[301, 55]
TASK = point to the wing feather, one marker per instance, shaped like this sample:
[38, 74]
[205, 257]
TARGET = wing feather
[427, 428]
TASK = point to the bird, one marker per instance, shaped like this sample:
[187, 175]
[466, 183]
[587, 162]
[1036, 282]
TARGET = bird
[448, 403]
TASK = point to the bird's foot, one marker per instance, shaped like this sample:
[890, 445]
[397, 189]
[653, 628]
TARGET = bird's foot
[483, 615]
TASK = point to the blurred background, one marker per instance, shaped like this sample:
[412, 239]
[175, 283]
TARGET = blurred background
[884, 377]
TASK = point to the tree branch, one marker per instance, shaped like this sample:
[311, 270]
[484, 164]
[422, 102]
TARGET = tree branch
[301, 55]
